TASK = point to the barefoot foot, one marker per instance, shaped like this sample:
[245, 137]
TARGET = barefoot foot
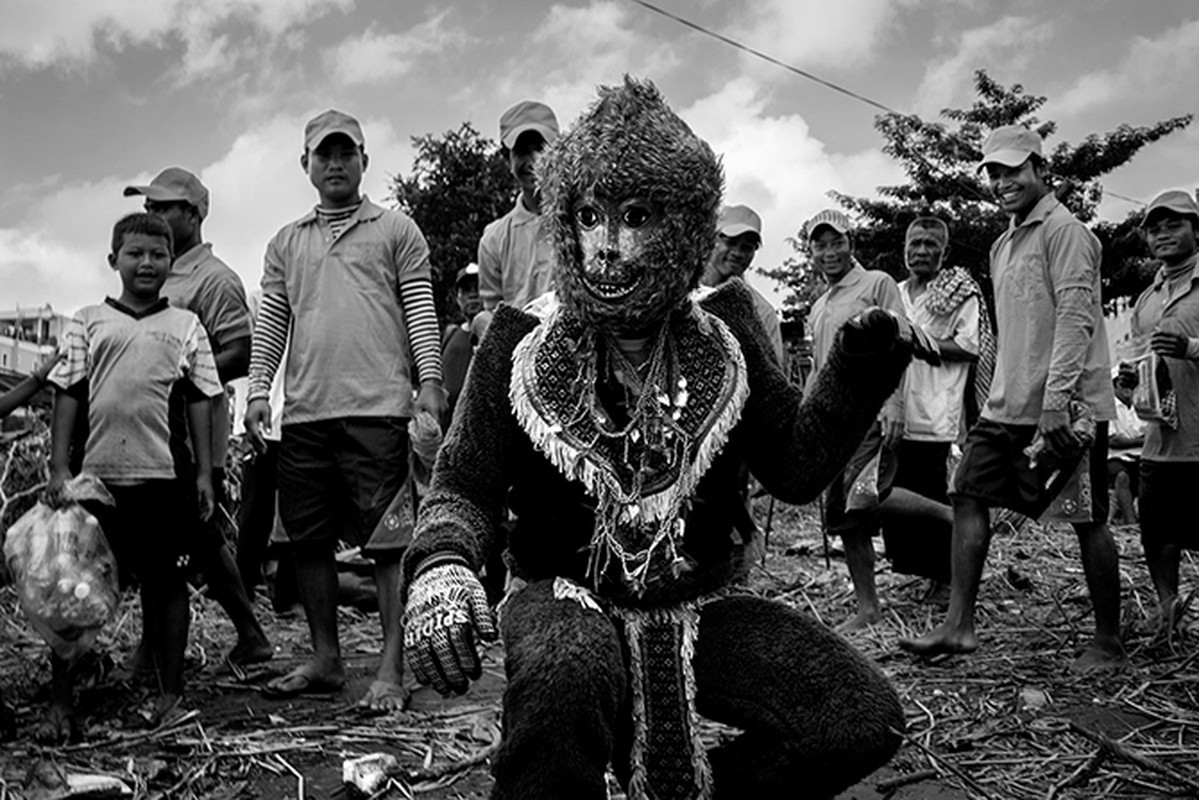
[861, 620]
[1100, 658]
[310, 678]
[941, 641]
[385, 696]
[57, 727]
[251, 651]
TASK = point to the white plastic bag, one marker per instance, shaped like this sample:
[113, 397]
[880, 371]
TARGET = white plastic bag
[64, 570]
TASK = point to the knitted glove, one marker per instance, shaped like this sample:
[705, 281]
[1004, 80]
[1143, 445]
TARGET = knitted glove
[877, 331]
[447, 610]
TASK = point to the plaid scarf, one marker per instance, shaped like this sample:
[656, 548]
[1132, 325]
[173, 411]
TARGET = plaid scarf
[946, 293]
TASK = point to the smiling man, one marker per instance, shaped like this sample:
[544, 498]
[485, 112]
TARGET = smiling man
[1165, 319]
[738, 237]
[1052, 367]
[852, 499]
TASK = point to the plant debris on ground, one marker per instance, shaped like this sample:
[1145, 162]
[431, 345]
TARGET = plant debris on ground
[1010, 721]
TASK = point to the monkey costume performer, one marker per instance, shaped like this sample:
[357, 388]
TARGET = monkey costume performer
[614, 429]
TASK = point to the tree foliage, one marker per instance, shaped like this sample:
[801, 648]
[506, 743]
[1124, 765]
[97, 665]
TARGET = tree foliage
[940, 159]
[459, 182]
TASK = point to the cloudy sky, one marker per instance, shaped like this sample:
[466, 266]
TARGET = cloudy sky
[99, 94]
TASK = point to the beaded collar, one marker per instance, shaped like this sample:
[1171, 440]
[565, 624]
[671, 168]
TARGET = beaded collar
[642, 466]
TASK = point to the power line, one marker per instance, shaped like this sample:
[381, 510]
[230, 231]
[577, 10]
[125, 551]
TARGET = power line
[836, 88]
[746, 48]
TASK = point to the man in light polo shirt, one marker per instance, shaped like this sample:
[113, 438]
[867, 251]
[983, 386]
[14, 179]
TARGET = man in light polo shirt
[1052, 372]
[206, 286]
[738, 237]
[514, 258]
[852, 500]
[1165, 320]
[351, 282]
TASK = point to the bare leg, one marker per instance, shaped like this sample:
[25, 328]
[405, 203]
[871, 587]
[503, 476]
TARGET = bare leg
[971, 541]
[316, 579]
[1100, 562]
[1163, 559]
[225, 586]
[387, 692]
[58, 726]
[859, 557]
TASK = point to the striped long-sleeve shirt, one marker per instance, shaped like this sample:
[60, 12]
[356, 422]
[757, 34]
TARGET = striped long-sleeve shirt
[357, 299]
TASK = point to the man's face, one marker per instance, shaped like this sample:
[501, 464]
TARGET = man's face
[1017, 189]
[732, 255]
[180, 216]
[1171, 237]
[468, 301]
[1123, 393]
[335, 168]
[142, 261]
[832, 252]
[522, 159]
[925, 253]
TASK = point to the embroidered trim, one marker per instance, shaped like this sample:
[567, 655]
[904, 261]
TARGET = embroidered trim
[635, 623]
[639, 514]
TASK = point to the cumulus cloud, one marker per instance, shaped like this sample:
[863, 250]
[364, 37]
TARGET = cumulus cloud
[774, 164]
[375, 57]
[1008, 44]
[55, 253]
[1152, 65]
[38, 34]
[818, 33]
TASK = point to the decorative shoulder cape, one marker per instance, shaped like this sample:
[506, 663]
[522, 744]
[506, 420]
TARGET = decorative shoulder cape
[643, 473]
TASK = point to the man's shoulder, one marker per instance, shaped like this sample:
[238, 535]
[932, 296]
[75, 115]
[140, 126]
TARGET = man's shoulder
[500, 225]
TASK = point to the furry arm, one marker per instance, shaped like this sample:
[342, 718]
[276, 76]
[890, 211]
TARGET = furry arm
[794, 445]
[468, 496]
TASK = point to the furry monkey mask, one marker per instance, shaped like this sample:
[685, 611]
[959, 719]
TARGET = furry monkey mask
[631, 197]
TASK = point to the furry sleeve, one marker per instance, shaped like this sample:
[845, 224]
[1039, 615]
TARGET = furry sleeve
[468, 496]
[795, 445]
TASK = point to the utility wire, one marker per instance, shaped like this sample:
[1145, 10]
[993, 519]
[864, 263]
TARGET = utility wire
[830, 85]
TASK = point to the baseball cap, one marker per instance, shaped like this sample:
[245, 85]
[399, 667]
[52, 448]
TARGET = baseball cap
[527, 115]
[328, 123]
[467, 275]
[736, 220]
[1174, 201]
[1010, 146]
[174, 184]
[832, 218]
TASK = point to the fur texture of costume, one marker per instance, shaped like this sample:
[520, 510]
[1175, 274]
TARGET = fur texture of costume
[623, 478]
[631, 145]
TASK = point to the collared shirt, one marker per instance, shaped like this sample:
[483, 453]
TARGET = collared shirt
[857, 290]
[1126, 425]
[131, 362]
[206, 286]
[1051, 341]
[769, 317]
[349, 353]
[515, 259]
[1179, 309]
[934, 395]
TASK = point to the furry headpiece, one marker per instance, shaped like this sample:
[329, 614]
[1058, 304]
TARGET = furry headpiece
[629, 144]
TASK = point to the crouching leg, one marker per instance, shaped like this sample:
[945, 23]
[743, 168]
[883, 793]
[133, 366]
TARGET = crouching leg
[817, 716]
[566, 689]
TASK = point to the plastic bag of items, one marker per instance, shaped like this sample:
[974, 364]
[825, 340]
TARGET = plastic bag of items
[64, 569]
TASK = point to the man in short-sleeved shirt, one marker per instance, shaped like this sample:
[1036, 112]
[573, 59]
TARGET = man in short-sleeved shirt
[206, 286]
[1052, 367]
[852, 500]
[1165, 320]
[515, 259]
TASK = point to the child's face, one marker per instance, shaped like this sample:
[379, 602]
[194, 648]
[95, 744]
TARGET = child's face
[142, 262]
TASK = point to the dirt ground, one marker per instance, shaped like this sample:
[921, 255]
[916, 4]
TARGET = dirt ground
[1007, 722]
